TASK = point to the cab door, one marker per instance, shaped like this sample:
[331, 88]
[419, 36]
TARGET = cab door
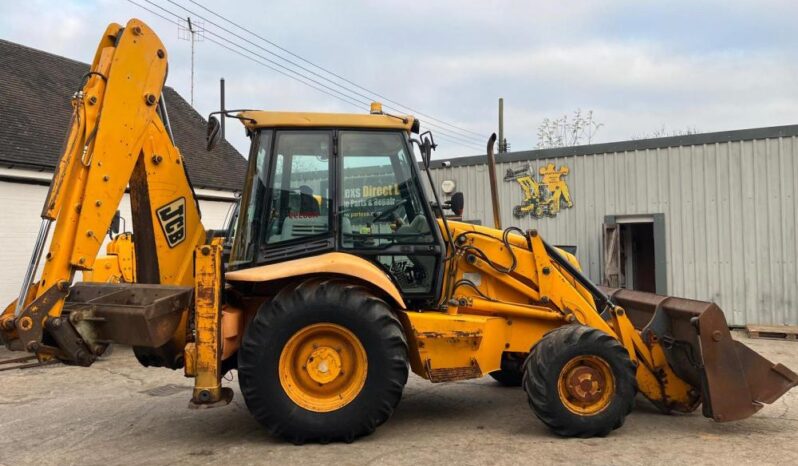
[382, 215]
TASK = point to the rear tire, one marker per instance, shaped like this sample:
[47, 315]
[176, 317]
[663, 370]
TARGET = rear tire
[508, 378]
[580, 381]
[511, 373]
[358, 374]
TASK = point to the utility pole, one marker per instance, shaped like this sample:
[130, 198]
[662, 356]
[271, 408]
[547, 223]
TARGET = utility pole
[221, 104]
[503, 146]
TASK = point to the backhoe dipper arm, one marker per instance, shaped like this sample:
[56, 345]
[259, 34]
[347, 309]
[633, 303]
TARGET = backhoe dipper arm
[117, 139]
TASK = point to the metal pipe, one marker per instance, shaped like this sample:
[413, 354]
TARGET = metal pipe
[484, 306]
[165, 117]
[33, 265]
[221, 105]
[494, 195]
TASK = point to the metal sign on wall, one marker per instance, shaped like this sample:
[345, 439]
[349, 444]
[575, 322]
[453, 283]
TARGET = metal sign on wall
[543, 197]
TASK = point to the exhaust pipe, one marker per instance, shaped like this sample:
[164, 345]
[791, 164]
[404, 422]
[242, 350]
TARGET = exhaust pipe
[494, 194]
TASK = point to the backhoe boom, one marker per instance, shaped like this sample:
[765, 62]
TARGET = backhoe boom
[118, 138]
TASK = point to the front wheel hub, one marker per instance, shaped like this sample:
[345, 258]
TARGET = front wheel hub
[586, 385]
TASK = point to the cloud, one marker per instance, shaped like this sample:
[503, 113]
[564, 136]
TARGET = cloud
[639, 65]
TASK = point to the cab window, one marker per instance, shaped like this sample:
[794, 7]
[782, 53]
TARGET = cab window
[299, 201]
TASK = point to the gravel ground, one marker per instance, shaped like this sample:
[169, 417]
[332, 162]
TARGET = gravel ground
[117, 412]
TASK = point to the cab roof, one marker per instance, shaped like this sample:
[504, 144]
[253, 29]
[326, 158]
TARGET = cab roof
[253, 119]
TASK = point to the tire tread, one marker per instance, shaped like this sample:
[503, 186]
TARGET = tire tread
[350, 298]
[538, 376]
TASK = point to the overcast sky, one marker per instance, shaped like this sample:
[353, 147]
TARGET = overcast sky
[639, 65]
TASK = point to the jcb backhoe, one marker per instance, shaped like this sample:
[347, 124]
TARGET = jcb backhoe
[342, 277]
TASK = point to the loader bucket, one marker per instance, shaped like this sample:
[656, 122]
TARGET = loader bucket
[733, 379]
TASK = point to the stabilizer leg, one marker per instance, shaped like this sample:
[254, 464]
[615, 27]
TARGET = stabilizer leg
[203, 356]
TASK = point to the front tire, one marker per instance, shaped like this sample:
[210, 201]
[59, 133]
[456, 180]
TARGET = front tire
[325, 361]
[580, 381]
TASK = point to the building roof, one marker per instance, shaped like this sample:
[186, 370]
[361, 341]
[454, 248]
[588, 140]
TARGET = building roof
[35, 92]
[263, 119]
[625, 146]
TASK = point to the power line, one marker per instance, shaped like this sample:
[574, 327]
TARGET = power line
[443, 134]
[386, 99]
[365, 103]
[356, 104]
[461, 140]
[465, 137]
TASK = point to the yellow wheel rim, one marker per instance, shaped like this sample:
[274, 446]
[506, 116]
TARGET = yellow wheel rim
[323, 367]
[586, 385]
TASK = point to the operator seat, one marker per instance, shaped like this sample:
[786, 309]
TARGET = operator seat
[308, 207]
[418, 226]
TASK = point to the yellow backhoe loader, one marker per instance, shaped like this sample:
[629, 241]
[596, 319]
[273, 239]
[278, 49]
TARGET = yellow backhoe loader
[341, 278]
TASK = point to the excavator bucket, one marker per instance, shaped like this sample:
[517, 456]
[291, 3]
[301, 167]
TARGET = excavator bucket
[734, 380]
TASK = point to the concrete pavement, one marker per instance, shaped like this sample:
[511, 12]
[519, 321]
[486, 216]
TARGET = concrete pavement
[117, 412]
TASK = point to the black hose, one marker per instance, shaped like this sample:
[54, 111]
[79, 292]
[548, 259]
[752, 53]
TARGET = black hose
[473, 286]
[452, 287]
[479, 253]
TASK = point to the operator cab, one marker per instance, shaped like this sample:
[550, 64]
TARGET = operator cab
[319, 183]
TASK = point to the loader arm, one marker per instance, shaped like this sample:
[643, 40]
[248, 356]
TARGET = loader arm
[682, 349]
[119, 137]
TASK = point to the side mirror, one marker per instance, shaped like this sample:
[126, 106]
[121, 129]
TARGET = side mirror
[427, 146]
[213, 133]
[113, 229]
[457, 203]
[426, 152]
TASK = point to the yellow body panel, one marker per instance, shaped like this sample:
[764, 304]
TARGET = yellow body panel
[118, 265]
[331, 263]
[445, 347]
[262, 119]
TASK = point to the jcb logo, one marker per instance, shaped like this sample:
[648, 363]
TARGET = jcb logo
[173, 221]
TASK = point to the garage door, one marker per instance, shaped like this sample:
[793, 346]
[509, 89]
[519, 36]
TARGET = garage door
[20, 206]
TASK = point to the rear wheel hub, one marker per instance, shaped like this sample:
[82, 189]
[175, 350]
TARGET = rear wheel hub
[323, 367]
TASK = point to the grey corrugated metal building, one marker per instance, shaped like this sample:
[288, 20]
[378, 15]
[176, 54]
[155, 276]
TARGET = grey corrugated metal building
[707, 216]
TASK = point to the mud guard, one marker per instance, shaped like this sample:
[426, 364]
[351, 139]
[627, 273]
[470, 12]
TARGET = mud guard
[735, 381]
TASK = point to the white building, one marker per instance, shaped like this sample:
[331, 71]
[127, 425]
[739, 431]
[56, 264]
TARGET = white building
[35, 91]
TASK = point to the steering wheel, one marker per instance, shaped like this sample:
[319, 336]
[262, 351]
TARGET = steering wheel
[379, 216]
